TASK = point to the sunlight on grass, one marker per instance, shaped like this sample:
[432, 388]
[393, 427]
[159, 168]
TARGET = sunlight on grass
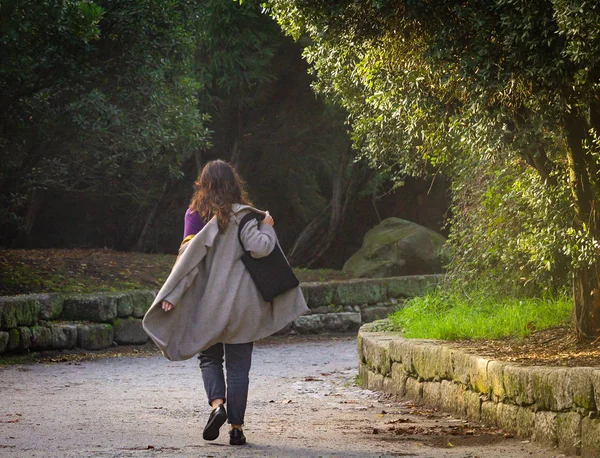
[478, 316]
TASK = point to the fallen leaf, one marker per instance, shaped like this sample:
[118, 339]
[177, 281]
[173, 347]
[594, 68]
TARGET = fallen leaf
[399, 420]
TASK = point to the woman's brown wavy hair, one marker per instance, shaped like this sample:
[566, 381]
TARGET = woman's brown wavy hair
[218, 187]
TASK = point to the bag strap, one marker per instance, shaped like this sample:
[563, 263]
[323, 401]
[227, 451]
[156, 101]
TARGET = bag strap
[247, 217]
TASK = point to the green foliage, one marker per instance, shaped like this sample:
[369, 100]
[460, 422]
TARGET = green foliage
[99, 98]
[478, 315]
[500, 96]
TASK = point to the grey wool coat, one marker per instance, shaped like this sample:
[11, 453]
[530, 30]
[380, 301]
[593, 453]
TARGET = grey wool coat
[214, 298]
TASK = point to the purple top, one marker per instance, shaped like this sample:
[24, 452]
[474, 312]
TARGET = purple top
[193, 223]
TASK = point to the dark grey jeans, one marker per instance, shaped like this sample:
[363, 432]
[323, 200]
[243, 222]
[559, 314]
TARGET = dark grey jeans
[238, 359]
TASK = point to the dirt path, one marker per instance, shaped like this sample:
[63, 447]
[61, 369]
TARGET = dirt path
[303, 403]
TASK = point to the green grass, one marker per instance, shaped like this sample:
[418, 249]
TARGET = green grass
[478, 316]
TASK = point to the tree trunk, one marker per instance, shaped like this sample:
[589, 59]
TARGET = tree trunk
[319, 234]
[586, 298]
[141, 240]
[34, 205]
[586, 279]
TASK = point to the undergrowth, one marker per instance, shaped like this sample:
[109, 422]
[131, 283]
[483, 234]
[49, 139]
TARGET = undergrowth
[478, 315]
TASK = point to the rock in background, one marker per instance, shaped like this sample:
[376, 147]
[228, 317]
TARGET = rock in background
[397, 247]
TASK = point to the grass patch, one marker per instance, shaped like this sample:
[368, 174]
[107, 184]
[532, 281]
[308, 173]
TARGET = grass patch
[454, 316]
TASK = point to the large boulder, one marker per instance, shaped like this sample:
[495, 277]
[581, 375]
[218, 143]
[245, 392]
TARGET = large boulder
[397, 247]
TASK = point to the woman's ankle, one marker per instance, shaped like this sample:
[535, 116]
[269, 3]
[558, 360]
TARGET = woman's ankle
[236, 427]
[216, 403]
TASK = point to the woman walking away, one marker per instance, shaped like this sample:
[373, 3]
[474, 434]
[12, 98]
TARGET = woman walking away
[210, 304]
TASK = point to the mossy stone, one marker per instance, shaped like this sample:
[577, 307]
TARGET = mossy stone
[14, 339]
[124, 304]
[357, 292]
[142, 300]
[568, 432]
[411, 285]
[95, 336]
[18, 311]
[318, 294]
[129, 331]
[590, 437]
[3, 341]
[397, 247]
[98, 307]
[64, 336]
[24, 338]
[51, 305]
[41, 337]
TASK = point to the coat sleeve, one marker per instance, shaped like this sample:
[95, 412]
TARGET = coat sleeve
[258, 239]
[175, 295]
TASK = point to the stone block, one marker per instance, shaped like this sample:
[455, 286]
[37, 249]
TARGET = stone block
[411, 285]
[568, 431]
[590, 438]
[3, 341]
[463, 365]
[18, 311]
[124, 304]
[318, 294]
[363, 374]
[51, 305]
[129, 331]
[432, 361]
[14, 339]
[432, 394]
[542, 389]
[581, 387]
[95, 336]
[473, 405]
[41, 338]
[356, 292]
[90, 307]
[458, 405]
[489, 413]
[308, 324]
[369, 314]
[561, 389]
[518, 386]
[401, 351]
[507, 417]
[414, 389]
[525, 421]
[448, 396]
[495, 379]
[544, 429]
[341, 322]
[398, 380]
[478, 379]
[375, 381]
[64, 336]
[142, 300]
[376, 355]
[19, 338]
[596, 386]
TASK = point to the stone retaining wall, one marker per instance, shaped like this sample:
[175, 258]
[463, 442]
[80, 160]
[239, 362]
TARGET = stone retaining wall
[97, 321]
[556, 406]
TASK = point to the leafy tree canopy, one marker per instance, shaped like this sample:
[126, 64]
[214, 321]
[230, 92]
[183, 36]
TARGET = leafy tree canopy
[503, 97]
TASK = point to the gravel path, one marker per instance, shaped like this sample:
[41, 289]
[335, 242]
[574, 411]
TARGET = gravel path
[303, 403]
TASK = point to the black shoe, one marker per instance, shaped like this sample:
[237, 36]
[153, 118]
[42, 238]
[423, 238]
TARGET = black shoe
[236, 437]
[216, 419]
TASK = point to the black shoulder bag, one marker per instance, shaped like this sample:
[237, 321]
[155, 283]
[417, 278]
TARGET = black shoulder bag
[272, 274]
